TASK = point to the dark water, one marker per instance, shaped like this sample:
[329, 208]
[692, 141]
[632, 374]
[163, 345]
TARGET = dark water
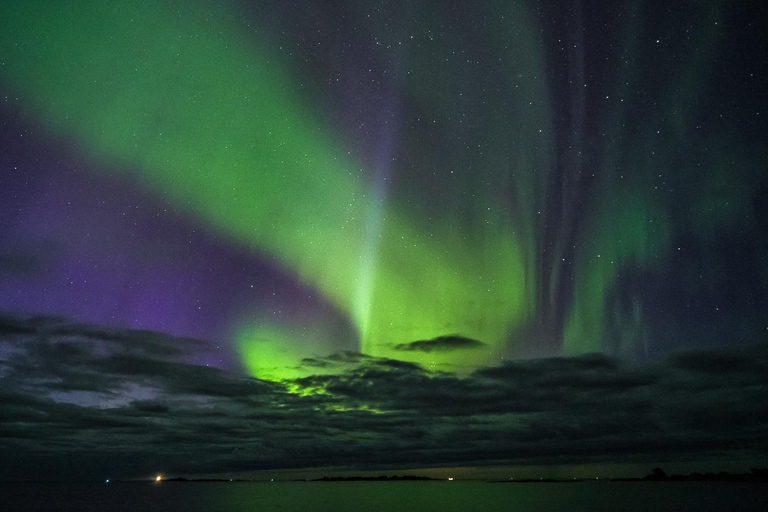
[384, 496]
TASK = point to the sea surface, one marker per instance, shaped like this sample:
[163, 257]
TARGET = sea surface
[435, 496]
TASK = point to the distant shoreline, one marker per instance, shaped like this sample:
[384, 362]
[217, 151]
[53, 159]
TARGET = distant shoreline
[680, 479]
[758, 475]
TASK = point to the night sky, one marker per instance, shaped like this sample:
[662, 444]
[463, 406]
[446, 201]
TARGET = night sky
[246, 236]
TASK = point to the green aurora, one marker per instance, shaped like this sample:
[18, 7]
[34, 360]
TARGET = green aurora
[523, 246]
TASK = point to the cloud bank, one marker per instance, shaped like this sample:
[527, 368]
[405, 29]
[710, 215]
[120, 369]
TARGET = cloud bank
[80, 401]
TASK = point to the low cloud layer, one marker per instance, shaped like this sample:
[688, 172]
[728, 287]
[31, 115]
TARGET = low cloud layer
[79, 401]
[441, 344]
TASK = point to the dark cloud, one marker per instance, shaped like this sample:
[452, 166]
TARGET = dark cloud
[336, 360]
[127, 404]
[441, 344]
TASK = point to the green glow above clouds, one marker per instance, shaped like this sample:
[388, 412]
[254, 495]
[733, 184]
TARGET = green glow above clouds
[187, 100]
[632, 227]
[182, 95]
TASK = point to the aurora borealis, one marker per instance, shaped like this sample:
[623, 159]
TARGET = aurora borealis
[457, 185]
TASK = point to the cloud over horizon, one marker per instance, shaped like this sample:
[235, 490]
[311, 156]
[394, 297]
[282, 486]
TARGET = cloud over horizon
[129, 403]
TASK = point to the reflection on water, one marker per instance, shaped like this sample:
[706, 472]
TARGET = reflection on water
[383, 496]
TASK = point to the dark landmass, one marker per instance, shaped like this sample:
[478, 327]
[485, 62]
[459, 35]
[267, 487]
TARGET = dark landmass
[372, 478]
[659, 475]
[204, 480]
[759, 475]
[537, 481]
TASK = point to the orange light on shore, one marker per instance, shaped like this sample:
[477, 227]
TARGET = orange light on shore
[158, 478]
